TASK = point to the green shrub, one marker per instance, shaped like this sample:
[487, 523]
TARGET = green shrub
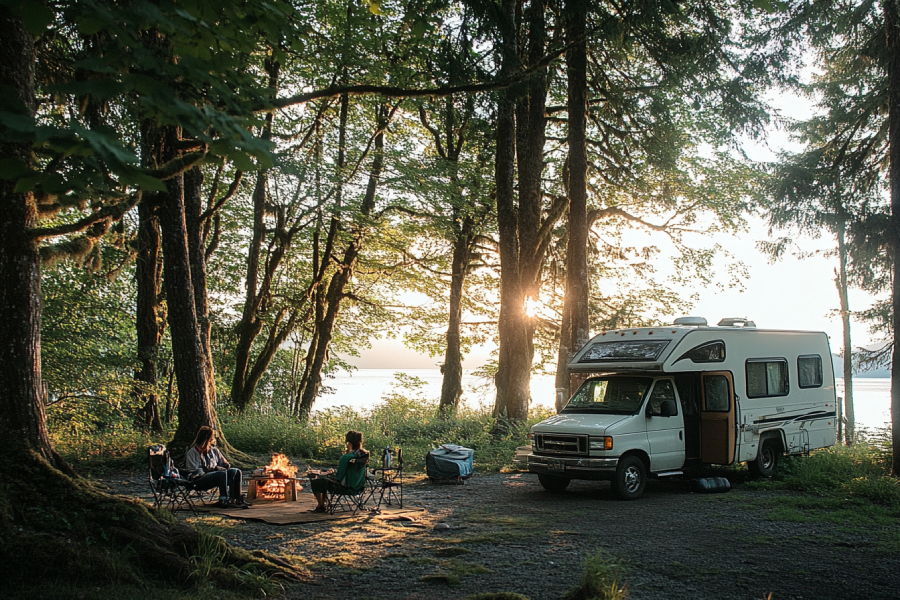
[602, 579]
[861, 470]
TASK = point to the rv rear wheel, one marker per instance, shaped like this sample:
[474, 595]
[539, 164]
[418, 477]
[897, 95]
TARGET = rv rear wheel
[766, 462]
[553, 483]
[631, 478]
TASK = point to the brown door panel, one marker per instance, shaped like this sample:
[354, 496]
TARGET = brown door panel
[717, 442]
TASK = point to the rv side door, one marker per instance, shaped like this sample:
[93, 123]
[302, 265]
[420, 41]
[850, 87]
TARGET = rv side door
[717, 418]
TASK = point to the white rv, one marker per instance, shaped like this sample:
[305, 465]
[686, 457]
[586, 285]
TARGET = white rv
[656, 401]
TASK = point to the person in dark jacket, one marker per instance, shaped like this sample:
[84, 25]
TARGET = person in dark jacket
[350, 477]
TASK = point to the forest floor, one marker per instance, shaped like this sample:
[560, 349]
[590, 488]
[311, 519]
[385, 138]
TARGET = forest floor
[508, 535]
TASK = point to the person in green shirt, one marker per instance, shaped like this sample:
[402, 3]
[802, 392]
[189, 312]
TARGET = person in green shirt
[350, 477]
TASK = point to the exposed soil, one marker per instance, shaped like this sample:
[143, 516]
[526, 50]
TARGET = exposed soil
[508, 535]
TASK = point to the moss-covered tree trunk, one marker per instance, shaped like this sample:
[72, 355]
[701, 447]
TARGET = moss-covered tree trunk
[148, 324]
[23, 432]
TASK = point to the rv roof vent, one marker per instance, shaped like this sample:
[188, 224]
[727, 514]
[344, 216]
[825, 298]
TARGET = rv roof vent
[737, 322]
[690, 321]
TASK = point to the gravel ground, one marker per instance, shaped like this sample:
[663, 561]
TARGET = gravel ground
[508, 535]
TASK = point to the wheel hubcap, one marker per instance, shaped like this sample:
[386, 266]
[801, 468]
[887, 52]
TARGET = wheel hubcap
[767, 458]
[632, 479]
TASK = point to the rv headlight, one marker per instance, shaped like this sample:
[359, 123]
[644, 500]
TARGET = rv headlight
[601, 443]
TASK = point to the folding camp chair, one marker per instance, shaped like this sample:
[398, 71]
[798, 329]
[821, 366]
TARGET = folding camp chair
[168, 487]
[388, 487]
[343, 498]
[210, 496]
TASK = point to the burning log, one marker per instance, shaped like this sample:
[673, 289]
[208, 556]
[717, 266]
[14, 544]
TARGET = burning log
[271, 482]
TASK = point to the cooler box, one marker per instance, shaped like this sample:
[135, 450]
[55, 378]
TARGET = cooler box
[449, 462]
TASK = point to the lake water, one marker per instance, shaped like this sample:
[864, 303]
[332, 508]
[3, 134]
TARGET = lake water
[365, 387]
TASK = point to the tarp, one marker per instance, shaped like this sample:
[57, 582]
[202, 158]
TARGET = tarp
[449, 461]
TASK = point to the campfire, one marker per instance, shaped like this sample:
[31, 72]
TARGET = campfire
[272, 481]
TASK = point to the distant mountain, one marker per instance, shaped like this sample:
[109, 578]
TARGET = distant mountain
[838, 362]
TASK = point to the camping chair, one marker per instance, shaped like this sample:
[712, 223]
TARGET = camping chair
[346, 499]
[204, 497]
[389, 487]
[168, 487]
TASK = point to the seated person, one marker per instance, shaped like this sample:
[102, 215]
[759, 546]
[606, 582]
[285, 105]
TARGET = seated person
[346, 480]
[207, 469]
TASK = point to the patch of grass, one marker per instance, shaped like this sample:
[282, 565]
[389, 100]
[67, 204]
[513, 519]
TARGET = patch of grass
[503, 520]
[888, 542]
[760, 539]
[496, 537]
[602, 579]
[450, 551]
[451, 572]
[441, 578]
[498, 596]
[789, 514]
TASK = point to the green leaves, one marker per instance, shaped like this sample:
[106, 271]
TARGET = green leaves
[35, 15]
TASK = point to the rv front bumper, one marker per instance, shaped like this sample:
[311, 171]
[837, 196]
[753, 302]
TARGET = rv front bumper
[573, 467]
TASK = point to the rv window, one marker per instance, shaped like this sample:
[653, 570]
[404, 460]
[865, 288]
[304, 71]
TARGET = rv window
[662, 391]
[715, 392]
[613, 395]
[706, 353]
[809, 371]
[767, 377]
[632, 350]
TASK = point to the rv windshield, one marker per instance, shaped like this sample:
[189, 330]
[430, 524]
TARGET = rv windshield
[612, 395]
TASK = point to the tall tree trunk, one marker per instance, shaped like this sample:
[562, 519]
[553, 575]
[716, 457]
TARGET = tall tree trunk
[574, 332]
[892, 29]
[523, 239]
[336, 288]
[149, 326]
[841, 282]
[189, 356]
[451, 385]
[250, 324]
[23, 429]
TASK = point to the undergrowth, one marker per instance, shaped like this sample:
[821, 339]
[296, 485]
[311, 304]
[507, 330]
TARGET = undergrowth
[415, 425]
[403, 418]
[861, 470]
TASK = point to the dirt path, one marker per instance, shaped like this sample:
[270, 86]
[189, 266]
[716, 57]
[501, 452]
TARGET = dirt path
[508, 535]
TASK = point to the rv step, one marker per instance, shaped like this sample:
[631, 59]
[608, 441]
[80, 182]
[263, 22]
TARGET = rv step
[670, 473]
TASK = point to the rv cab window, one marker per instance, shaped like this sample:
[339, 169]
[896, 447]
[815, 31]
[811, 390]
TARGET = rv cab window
[612, 395]
[662, 391]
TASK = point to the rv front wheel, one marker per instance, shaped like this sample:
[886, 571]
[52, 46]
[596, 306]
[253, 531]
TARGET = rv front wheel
[766, 462]
[631, 478]
[553, 483]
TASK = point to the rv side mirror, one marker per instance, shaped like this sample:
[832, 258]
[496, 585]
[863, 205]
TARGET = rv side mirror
[668, 409]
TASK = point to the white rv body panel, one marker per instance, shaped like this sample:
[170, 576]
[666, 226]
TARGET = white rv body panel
[733, 389]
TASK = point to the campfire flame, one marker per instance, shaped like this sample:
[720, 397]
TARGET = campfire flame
[281, 470]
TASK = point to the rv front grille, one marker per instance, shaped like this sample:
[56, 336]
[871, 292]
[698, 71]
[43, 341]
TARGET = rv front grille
[551, 443]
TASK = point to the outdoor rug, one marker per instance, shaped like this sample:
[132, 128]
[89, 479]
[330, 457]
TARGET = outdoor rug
[289, 513]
